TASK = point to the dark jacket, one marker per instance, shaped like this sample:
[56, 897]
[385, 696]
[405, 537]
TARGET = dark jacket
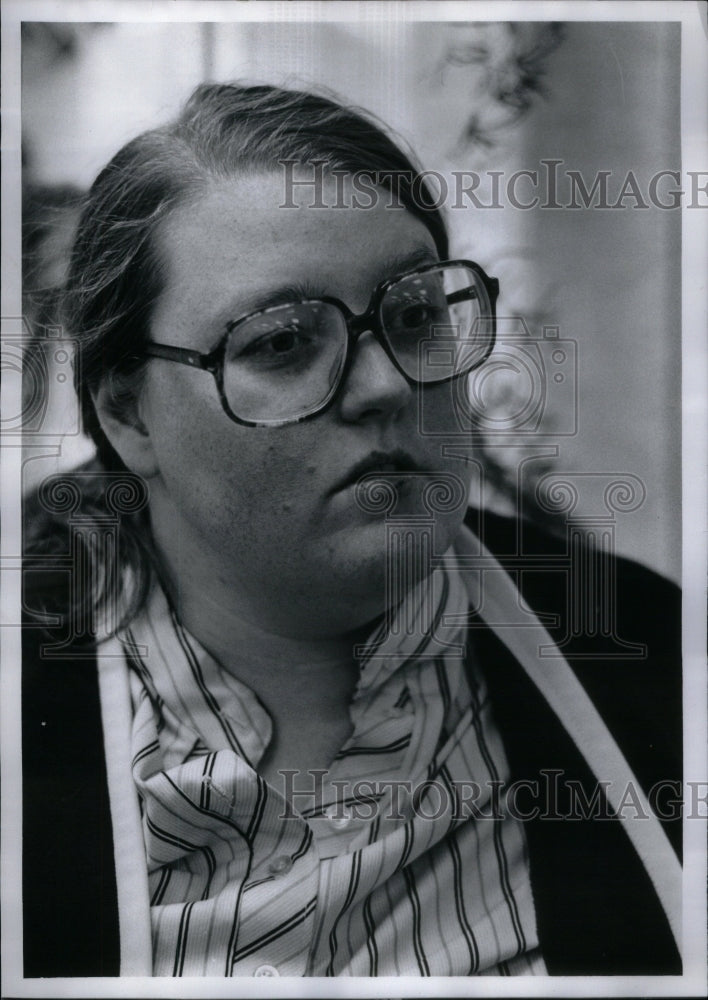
[596, 908]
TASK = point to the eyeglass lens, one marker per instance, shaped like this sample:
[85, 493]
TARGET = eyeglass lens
[286, 362]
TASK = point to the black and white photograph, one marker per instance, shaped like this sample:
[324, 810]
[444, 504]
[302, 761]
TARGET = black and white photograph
[354, 498]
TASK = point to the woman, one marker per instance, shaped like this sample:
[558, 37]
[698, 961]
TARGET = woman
[292, 715]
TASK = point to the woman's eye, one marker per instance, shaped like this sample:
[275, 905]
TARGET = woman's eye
[289, 345]
[416, 315]
[279, 342]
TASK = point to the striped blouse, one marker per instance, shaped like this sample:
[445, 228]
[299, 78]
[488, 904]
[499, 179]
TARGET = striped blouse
[384, 869]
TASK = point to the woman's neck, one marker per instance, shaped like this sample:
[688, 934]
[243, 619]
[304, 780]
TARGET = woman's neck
[305, 683]
[249, 647]
[305, 680]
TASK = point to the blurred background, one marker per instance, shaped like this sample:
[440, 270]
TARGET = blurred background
[585, 388]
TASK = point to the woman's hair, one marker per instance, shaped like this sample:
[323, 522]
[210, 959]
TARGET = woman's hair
[115, 273]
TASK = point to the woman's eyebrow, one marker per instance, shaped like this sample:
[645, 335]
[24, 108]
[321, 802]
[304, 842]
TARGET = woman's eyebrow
[398, 263]
[292, 291]
[280, 296]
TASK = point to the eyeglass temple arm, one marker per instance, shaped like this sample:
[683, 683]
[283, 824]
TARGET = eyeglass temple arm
[465, 294]
[183, 355]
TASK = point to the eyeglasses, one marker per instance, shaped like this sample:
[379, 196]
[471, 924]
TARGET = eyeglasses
[285, 363]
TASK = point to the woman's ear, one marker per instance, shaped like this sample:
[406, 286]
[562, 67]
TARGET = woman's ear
[118, 411]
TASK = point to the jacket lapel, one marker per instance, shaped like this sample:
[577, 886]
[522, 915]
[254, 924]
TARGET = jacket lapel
[596, 908]
[69, 886]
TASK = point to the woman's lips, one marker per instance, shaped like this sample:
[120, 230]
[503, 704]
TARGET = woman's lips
[385, 463]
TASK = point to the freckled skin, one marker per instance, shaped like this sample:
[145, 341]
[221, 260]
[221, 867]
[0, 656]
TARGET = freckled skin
[252, 508]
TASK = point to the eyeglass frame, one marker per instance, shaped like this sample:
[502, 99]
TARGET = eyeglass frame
[356, 324]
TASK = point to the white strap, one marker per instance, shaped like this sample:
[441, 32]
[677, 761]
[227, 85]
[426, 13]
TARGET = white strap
[566, 696]
[128, 846]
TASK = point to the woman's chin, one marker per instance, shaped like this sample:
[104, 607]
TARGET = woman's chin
[370, 558]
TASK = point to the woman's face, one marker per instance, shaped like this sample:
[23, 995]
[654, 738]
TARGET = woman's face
[262, 510]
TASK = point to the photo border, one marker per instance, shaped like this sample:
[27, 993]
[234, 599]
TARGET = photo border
[694, 101]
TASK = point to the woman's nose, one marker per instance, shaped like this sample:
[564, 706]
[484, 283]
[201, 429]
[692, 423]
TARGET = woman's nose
[374, 388]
